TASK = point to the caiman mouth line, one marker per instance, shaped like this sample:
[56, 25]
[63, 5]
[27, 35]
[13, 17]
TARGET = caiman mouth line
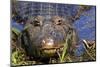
[51, 52]
[54, 49]
[47, 48]
[59, 51]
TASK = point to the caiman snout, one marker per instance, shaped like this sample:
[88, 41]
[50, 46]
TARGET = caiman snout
[49, 46]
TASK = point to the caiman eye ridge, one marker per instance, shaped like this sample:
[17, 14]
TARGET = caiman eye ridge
[36, 23]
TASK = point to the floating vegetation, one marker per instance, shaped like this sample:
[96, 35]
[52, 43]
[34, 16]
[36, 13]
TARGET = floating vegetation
[90, 48]
[18, 56]
[64, 53]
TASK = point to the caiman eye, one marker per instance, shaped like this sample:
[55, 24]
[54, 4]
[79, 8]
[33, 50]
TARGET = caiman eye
[38, 20]
[36, 23]
[59, 22]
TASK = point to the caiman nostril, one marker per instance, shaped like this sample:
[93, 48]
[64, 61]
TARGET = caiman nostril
[48, 42]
